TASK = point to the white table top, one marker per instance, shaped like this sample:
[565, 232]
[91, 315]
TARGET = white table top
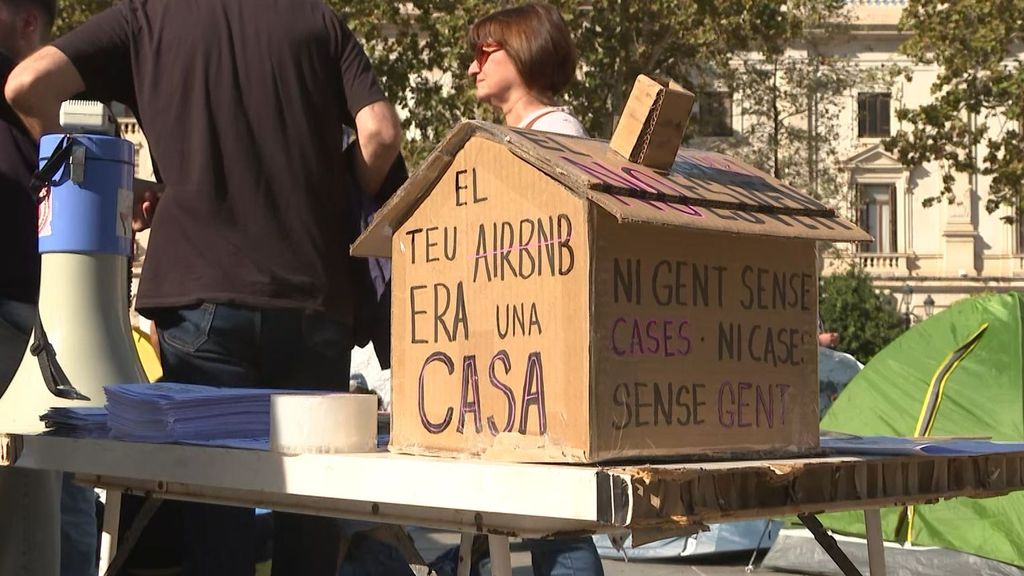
[513, 498]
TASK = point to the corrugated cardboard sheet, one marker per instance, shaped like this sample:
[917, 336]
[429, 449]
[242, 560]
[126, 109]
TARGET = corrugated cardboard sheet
[703, 342]
[490, 315]
[687, 494]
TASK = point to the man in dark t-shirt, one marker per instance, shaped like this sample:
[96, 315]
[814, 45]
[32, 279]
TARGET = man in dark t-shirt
[19, 253]
[247, 272]
[242, 102]
[29, 499]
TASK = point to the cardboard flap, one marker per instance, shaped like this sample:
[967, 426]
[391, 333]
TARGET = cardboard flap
[703, 190]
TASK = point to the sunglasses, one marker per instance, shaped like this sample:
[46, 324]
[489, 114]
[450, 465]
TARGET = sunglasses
[484, 51]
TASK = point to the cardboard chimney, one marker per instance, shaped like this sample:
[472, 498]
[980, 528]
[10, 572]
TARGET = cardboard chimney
[553, 301]
[653, 122]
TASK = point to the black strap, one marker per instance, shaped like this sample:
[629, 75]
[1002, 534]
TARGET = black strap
[44, 176]
[53, 375]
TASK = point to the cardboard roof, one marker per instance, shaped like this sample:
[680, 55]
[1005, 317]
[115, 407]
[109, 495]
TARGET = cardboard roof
[703, 190]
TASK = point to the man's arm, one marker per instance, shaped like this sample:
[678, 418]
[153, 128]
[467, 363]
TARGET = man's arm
[37, 87]
[379, 138]
[378, 131]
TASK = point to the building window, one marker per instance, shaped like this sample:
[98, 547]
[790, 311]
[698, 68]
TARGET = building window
[873, 114]
[712, 114]
[877, 216]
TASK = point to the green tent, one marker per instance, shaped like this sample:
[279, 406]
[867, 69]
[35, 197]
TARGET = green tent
[958, 373]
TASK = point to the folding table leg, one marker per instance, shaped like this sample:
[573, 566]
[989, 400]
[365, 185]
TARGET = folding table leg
[117, 553]
[829, 545]
[501, 558]
[876, 549]
[466, 554]
[111, 524]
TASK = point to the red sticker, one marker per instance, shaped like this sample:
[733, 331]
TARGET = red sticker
[45, 213]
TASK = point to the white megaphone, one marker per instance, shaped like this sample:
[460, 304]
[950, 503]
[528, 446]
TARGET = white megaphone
[85, 241]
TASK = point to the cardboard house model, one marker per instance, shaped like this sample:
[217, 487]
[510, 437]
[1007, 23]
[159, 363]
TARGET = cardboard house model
[554, 302]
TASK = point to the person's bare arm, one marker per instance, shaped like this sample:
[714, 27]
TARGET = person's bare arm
[37, 86]
[379, 138]
[147, 198]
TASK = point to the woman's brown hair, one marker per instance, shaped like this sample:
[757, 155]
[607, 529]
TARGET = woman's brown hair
[537, 40]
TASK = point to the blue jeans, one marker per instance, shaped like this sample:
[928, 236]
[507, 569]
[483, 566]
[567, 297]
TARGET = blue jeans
[561, 557]
[78, 535]
[367, 556]
[565, 557]
[226, 345]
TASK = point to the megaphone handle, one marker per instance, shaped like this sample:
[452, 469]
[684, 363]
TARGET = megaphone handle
[53, 375]
[44, 176]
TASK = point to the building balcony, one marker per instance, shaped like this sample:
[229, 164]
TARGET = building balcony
[877, 264]
[881, 265]
[129, 127]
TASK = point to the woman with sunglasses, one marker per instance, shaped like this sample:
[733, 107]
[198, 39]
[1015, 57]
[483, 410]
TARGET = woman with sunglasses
[523, 59]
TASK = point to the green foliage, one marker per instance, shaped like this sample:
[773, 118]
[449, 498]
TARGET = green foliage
[973, 123]
[792, 101]
[420, 53]
[865, 319]
[685, 41]
[419, 50]
[71, 13]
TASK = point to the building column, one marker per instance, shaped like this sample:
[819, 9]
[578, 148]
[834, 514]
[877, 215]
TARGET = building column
[959, 233]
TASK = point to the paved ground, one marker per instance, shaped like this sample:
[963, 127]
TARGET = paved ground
[432, 542]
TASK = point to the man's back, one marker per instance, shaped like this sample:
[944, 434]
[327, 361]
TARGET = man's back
[243, 103]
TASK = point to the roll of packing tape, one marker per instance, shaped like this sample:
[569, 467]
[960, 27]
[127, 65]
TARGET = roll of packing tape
[323, 423]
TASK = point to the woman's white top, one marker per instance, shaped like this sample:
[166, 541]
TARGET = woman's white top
[557, 119]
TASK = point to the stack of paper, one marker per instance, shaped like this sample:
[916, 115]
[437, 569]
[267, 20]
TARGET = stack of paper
[169, 412]
[891, 445]
[77, 421]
